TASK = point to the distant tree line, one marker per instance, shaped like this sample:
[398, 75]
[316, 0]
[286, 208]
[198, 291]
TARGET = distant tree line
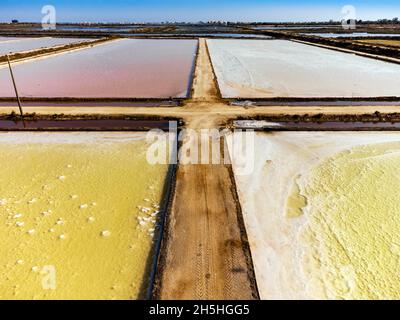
[388, 21]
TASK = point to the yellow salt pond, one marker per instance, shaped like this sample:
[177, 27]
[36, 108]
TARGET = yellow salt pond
[353, 233]
[78, 215]
[321, 212]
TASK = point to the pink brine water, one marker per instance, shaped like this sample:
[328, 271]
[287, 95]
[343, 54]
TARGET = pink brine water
[125, 68]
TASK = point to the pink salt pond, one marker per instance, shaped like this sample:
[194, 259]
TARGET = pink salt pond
[126, 68]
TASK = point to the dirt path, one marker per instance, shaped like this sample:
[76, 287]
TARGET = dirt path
[204, 88]
[205, 114]
[205, 253]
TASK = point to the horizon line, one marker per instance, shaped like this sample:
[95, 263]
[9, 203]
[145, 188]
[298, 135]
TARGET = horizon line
[203, 22]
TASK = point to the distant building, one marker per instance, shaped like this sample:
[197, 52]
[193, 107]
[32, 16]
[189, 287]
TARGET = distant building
[14, 21]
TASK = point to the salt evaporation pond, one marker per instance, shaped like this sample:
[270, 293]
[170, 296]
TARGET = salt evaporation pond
[2, 39]
[200, 35]
[127, 68]
[82, 207]
[279, 68]
[296, 27]
[231, 35]
[321, 213]
[352, 35]
[99, 29]
[28, 44]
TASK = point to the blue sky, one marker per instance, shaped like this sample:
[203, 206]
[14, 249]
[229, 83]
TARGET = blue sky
[196, 10]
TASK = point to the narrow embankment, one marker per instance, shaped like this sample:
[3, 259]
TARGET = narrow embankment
[42, 52]
[204, 85]
[205, 253]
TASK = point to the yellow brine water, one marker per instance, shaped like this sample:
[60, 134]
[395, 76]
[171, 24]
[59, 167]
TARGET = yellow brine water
[78, 215]
[353, 231]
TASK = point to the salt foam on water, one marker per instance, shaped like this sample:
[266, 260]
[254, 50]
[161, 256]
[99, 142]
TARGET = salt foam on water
[34, 200]
[105, 233]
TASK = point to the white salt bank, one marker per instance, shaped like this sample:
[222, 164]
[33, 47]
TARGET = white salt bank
[279, 68]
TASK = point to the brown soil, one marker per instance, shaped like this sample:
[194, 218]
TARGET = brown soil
[204, 85]
[206, 115]
[204, 254]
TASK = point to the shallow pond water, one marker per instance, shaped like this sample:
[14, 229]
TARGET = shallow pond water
[352, 35]
[127, 68]
[79, 215]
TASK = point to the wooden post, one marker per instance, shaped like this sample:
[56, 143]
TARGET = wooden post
[15, 88]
